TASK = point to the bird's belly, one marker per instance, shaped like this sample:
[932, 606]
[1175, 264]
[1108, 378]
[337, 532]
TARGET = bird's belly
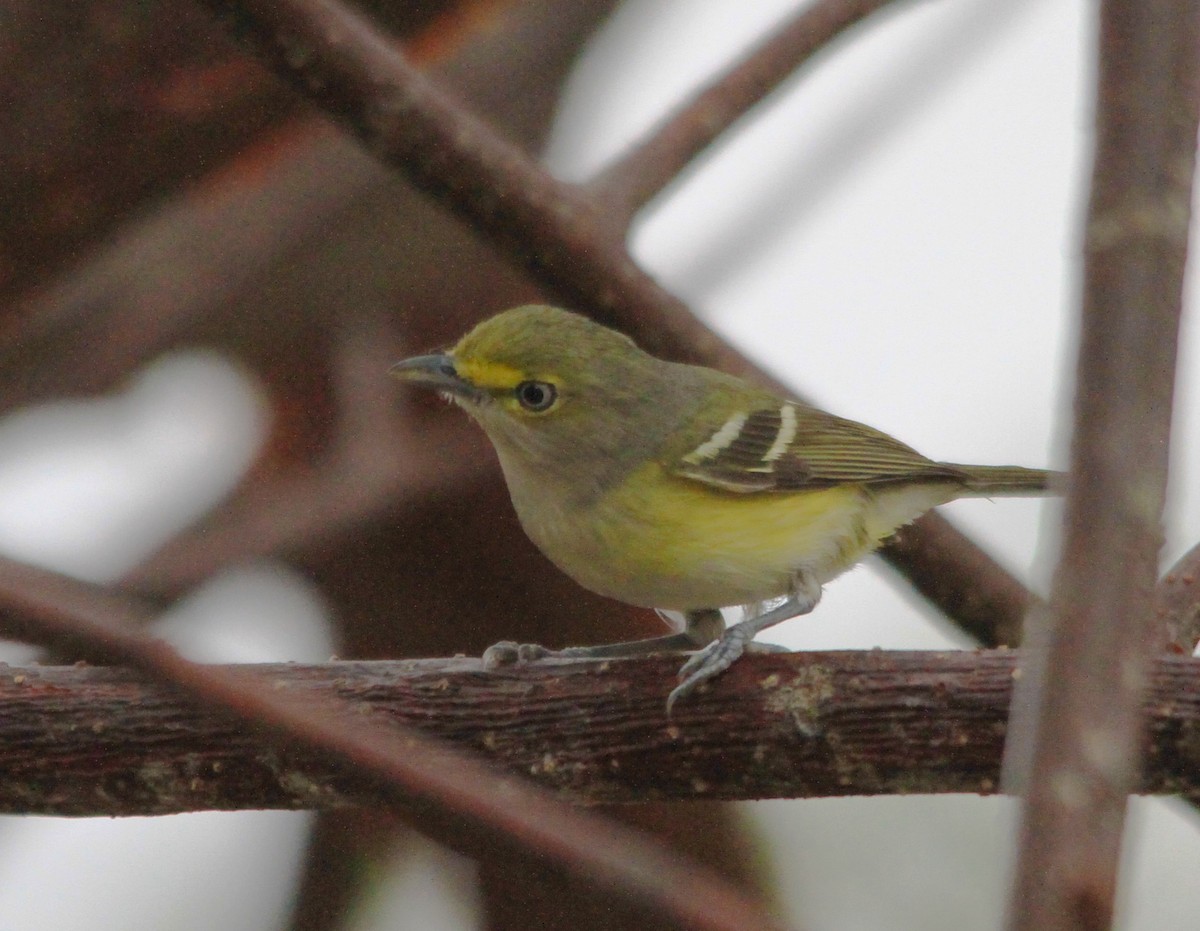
[684, 545]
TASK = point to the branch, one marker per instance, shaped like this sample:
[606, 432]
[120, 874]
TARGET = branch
[451, 796]
[554, 231]
[85, 741]
[1086, 690]
[651, 164]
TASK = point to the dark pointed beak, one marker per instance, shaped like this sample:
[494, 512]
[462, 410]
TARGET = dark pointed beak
[436, 372]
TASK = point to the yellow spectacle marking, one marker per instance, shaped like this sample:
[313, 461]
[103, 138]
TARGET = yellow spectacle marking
[496, 376]
[489, 375]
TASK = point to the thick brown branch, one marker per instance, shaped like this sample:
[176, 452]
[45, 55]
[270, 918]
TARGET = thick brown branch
[452, 796]
[85, 741]
[1102, 635]
[636, 177]
[336, 58]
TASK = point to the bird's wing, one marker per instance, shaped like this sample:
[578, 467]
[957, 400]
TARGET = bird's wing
[790, 447]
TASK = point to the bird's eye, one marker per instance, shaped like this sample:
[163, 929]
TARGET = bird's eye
[536, 396]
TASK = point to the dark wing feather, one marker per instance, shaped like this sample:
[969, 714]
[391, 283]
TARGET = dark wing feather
[817, 450]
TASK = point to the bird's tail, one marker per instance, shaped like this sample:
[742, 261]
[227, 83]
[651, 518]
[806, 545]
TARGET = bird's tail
[986, 481]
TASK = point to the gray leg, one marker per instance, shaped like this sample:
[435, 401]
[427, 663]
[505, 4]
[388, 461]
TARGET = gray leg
[701, 628]
[723, 652]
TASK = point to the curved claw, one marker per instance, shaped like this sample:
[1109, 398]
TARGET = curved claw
[723, 652]
[713, 660]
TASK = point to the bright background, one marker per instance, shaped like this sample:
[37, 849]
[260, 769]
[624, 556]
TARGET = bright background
[919, 273]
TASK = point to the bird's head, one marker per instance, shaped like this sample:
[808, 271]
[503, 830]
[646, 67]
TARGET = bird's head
[551, 388]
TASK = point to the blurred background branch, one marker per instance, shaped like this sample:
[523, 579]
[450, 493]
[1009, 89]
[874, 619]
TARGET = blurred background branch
[1078, 741]
[633, 179]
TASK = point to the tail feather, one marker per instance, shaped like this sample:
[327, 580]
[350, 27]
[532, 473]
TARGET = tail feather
[987, 481]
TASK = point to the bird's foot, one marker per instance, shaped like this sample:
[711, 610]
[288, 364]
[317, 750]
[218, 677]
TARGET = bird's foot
[713, 660]
[723, 652]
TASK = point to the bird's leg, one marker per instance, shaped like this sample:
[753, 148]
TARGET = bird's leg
[724, 651]
[701, 627]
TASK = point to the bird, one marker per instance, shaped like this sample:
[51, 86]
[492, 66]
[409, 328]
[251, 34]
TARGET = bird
[682, 488]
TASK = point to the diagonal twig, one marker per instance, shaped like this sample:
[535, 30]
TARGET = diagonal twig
[650, 165]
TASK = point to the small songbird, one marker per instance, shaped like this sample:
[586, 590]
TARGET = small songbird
[681, 488]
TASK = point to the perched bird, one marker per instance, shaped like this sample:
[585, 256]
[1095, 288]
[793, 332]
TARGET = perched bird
[681, 488]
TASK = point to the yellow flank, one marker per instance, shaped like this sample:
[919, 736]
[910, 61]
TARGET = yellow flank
[666, 542]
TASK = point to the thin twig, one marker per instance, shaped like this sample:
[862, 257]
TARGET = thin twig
[454, 797]
[982, 597]
[339, 60]
[1086, 733]
[650, 165]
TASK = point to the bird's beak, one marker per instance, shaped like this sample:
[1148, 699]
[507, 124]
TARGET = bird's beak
[436, 372]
